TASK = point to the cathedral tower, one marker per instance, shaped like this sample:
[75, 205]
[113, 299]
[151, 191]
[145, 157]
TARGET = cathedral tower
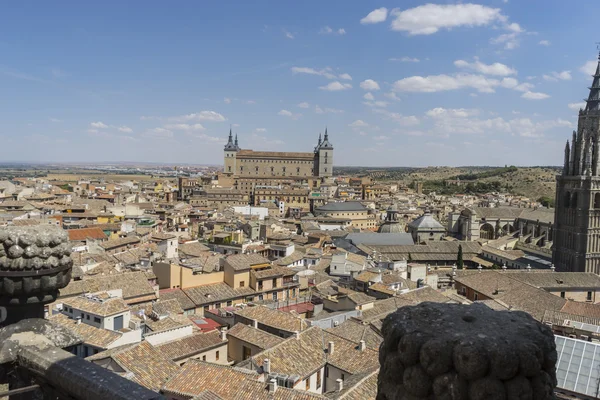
[323, 166]
[576, 245]
[231, 149]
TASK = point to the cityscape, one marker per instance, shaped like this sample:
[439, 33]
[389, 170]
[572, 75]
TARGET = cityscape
[377, 232]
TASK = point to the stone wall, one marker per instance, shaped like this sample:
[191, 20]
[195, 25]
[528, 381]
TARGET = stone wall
[452, 351]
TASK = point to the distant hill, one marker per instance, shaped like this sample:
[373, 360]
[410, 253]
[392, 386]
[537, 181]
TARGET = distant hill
[533, 182]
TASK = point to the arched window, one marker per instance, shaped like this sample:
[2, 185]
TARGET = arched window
[597, 200]
[567, 200]
[574, 200]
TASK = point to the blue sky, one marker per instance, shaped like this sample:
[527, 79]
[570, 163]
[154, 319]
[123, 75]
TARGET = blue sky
[404, 83]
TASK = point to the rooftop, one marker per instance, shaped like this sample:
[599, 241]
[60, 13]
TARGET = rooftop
[273, 318]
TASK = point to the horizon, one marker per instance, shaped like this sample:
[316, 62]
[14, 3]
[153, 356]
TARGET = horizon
[481, 83]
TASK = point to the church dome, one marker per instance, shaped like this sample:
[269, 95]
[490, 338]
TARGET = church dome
[391, 227]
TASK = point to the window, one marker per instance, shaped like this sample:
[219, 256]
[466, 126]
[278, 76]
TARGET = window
[242, 283]
[274, 282]
[274, 295]
[97, 320]
[203, 358]
[247, 352]
[343, 377]
[229, 303]
[217, 355]
[318, 379]
[562, 294]
[308, 383]
[476, 296]
[589, 296]
[326, 372]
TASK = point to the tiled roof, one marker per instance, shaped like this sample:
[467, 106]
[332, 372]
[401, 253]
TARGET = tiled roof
[167, 306]
[146, 365]
[86, 233]
[184, 301]
[241, 262]
[196, 377]
[273, 272]
[365, 389]
[381, 308]
[513, 292]
[162, 236]
[103, 308]
[555, 280]
[578, 308]
[273, 318]
[111, 244]
[97, 337]
[216, 292]
[256, 337]
[355, 332]
[190, 345]
[342, 206]
[168, 323]
[358, 298]
[133, 284]
[559, 318]
[306, 354]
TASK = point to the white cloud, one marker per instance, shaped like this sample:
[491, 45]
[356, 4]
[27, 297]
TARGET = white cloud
[544, 43]
[509, 40]
[369, 84]
[369, 96]
[405, 59]
[161, 133]
[125, 129]
[326, 72]
[98, 125]
[375, 16]
[288, 35]
[430, 18]
[326, 110]
[185, 127]
[380, 138]
[577, 106]
[336, 86]
[200, 116]
[327, 30]
[304, 105]
[440, 112]
[379, 103]
[486, 69]
[534, 96]
[227, 100]
[359, 123]
[439, 83]
[287, 113]
[260, 130]
[55, 120]
[392, 96]
[512, 83]
[555, 76]
[346, 77]
[397, 117]
[589, 67]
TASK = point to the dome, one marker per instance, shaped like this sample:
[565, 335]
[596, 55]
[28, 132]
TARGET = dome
[391, 227]
[426, 221]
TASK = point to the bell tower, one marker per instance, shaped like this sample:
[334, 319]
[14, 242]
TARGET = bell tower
[230, 160]
[576, 242]
[324, 157]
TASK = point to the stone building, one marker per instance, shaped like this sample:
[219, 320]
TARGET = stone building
[426, 228]
[577, 220]
[354, 211]
[267, 164]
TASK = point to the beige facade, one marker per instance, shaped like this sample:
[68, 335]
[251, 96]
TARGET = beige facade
[172, 276]
[291, 197]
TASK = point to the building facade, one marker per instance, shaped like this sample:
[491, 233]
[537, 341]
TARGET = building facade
[244, 163]
[577, 220]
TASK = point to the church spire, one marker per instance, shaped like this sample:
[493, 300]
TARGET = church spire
[593, 100]
[567, 154]
[230, 146]
[326, 135]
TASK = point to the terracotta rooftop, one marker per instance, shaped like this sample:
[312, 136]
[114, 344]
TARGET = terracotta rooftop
[256, 337]
[216, 292]
[86, 233]
[97, 305]
[273, 318]
[190, 345]
[240, 262]
[97, 337]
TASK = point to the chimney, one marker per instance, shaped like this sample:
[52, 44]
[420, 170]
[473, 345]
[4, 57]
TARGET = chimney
[78, 320]
[552, 268]
[297, 335]
[340, 384]
[330, 348]
[255, 323]
[266, 366]
[224, 334]
[362, 345]
[272, 386]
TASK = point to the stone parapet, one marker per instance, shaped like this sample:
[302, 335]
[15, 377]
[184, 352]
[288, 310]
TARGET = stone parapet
[455, 352]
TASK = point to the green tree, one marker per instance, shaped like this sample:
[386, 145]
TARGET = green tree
[459, 258]
[546, 201]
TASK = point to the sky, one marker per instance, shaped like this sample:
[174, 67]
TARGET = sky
[396, 83]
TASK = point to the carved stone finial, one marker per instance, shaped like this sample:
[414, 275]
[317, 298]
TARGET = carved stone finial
[35, 263]
[455, 351]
